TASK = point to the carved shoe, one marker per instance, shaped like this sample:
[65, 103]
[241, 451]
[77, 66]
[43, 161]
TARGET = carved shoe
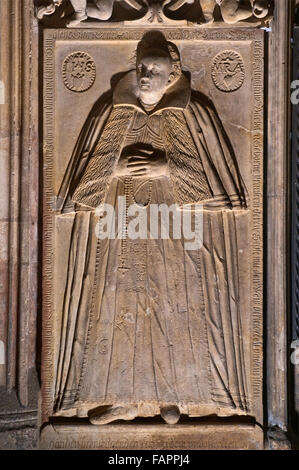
[126, 413]
[170, 414]
[76, 19]
[260, 9]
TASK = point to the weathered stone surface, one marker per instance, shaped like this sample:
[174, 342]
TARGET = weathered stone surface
[19, 439]
[155, 329]
[156, 437]
[161, 12]
[19, 183]
[226, 65]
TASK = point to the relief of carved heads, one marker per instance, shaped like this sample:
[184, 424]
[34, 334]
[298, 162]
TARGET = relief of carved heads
[240, 10]
[83, 9]
[160, 11]
[232, 11]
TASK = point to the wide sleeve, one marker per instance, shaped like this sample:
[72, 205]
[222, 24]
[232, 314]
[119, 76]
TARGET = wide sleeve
[91, 188]
[217, 155]
[83, 149]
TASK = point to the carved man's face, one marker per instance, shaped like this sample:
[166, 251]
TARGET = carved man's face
[154, 74]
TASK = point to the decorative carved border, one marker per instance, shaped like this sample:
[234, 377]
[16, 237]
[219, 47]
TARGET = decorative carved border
[167, 13]
[186, 33]
[256, 36]
[48, 229]
[257, 224]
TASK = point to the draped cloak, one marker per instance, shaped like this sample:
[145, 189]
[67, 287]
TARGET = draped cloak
[145, 320]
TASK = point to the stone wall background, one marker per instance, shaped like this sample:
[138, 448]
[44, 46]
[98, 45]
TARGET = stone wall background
[21, 226]
[19, 214]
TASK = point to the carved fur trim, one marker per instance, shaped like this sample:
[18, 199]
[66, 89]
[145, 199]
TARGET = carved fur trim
[93, 184]
[185, 165]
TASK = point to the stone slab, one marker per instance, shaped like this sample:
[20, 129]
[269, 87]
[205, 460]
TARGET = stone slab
[152, 437]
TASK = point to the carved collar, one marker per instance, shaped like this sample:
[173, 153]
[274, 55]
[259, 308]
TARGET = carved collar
[176, 96]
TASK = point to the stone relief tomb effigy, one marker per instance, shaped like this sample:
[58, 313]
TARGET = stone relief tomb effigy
[153, 227]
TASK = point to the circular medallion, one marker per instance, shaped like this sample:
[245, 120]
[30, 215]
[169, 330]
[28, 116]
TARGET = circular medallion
[228, 71]
[79, 71]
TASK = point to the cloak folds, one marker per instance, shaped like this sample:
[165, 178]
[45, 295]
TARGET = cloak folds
[188, 117]
[188, 345]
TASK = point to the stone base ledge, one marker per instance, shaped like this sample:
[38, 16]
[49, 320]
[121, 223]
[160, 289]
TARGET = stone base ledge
[152, 437]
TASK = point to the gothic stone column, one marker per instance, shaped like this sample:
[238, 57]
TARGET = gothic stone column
[18, 220]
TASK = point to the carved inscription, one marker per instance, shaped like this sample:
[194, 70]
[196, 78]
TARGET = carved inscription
[78, 71]
[228, 71]
[257, 217]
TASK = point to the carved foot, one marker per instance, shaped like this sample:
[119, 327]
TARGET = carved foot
[209, 18]
[126, 413]
[102, 10]
[76, 19]
[170, 414]
[260, 10]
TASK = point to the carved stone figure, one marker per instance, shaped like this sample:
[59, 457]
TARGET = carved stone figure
[156, 11]
[147, 327]
[100, 9]
[232, 10]
[83, 9]
[48, 9]
[238, 10]
[208, 7]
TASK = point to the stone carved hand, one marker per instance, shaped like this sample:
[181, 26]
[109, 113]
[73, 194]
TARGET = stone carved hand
[142, 161]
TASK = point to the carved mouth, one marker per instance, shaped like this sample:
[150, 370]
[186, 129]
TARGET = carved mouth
[144, 86]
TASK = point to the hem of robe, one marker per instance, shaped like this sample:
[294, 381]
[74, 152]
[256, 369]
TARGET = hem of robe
[151, 409]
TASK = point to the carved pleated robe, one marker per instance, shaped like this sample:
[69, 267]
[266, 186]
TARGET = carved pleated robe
[147, 321]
